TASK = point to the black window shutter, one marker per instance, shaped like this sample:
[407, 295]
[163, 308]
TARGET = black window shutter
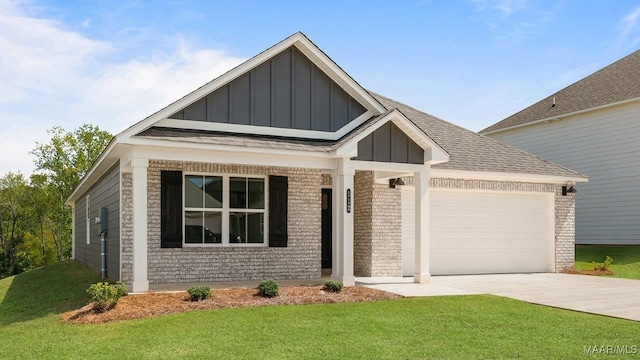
[171, 209]
[278, 191]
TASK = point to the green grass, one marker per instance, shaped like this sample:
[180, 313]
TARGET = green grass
[461, 327]
[626, 259]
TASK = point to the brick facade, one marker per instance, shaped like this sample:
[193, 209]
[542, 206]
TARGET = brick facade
[565, 229]
[377, 228]
[299, 260]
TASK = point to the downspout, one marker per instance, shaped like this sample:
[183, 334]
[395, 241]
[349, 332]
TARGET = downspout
[103, 241]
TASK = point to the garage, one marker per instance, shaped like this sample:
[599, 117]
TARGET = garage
[483, 232]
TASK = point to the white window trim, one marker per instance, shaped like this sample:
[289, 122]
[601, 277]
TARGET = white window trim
[88, 216]
[226, 210]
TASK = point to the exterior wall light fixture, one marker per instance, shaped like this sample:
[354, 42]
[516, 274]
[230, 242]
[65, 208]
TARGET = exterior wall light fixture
[395, 182]
[568, 189]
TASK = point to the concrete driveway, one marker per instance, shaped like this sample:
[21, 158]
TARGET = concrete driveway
[591, 294]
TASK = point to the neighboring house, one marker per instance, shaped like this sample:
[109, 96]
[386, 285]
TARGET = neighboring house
[285, 165]
[591, 126]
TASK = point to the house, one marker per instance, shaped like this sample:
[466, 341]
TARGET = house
[591, 126]
[285, 165]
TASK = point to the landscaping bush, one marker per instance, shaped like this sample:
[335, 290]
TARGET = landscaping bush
[105, 296]
[199, 292]
[333, 286]
[604, 266]
[268, 288]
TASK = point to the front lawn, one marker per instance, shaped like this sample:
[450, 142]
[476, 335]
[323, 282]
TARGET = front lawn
[460, 327]
[626, 259]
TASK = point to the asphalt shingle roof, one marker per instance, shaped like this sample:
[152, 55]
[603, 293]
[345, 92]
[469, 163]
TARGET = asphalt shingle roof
[472, 152]
[617, 82]
[468, 150]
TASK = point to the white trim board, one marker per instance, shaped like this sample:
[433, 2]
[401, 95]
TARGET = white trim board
[266, 130]
[497, 176]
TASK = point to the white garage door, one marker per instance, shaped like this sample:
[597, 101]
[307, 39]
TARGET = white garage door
[483, 232]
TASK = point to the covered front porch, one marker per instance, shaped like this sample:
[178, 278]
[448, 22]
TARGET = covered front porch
[366, 228]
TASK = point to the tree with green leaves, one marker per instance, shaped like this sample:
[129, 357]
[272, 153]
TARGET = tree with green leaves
[60, 166]
[16, 220]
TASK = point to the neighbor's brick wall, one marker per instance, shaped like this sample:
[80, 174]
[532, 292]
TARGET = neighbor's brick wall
[377, 228]
[299, 260]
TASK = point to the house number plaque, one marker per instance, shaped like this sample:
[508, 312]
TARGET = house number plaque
[348, 201]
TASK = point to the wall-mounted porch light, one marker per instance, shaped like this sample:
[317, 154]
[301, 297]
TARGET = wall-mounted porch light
[395, 182]
[568, 189]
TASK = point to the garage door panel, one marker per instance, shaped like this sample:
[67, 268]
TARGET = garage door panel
[453, 262]
[484, 232]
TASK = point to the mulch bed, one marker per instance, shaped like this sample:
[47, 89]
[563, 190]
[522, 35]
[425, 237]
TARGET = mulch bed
[153, 304]
[588, 272]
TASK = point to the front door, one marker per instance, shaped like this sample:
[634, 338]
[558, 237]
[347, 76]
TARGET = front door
[327, 228]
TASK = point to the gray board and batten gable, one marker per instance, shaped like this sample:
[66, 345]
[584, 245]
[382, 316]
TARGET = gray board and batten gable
[287, 91]
[390, 144]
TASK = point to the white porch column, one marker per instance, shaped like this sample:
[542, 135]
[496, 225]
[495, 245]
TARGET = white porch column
[421, 178]
[343, 207]
[139, 173]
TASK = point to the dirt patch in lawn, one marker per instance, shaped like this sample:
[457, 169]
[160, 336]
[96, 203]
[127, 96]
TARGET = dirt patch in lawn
[153, 304]
[596, 272]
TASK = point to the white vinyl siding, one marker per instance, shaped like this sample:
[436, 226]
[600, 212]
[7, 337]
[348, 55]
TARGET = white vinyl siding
[605, 146]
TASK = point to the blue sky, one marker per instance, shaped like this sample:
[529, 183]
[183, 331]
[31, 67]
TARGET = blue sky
[470, 62]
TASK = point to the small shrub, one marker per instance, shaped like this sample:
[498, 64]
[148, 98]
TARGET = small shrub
[268, 288]
[105, 296]
[604, 266]
[333, 286]
[199, 292]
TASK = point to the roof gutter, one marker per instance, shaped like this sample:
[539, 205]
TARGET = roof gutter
[558, 117]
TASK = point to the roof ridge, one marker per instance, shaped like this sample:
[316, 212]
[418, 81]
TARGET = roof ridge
[626, 61]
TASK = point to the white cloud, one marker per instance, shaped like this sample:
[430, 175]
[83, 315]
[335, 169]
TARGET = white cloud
[50, 75]
[504, 7]
[629, 24]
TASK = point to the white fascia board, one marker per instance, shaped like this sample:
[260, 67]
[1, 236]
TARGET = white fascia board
[169, 145]
[385, 166]
[437, 154]
[562, 116]
[201, 155]
[305, 46]
[265, 130]
[500, 176]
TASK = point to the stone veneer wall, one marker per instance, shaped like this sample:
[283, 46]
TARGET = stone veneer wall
[377, 227]
[564, 210]
[565, 230]
[299, 260]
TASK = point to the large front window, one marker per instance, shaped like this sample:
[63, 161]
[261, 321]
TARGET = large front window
[222, 204]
